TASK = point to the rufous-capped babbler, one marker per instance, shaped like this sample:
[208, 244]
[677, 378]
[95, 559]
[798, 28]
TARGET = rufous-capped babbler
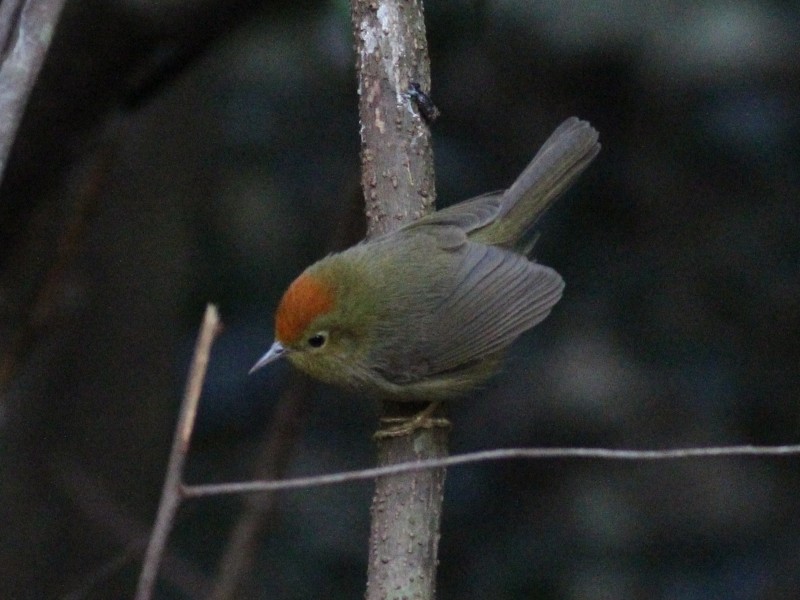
[425, 313]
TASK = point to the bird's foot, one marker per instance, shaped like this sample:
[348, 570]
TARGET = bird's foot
[400, 426]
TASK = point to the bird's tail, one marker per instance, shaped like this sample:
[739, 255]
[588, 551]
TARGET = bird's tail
[564, 156]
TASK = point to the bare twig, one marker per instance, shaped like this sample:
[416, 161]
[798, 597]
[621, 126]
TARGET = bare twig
[198, 491]
[171, 494]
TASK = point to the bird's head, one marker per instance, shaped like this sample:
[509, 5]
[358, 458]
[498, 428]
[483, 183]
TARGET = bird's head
[315, 327]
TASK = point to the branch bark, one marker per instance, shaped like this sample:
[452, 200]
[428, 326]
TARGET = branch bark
[396, 153]
[398, 184]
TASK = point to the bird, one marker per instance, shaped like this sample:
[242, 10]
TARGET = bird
[426, 313]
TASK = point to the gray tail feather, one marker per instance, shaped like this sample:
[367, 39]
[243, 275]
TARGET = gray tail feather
[562, 158]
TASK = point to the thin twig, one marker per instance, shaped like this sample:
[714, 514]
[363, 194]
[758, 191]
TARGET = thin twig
[171, 495]
[197, 491]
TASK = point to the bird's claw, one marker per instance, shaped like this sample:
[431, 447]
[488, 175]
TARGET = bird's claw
[400, 426]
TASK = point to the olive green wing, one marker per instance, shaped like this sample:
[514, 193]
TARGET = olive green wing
[467, 215]
[497, 296]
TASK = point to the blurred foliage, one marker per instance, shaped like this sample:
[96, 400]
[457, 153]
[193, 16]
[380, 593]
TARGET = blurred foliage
[237, 165]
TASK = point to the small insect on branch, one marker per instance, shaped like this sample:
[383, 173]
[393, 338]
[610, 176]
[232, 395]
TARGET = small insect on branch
[423, 102]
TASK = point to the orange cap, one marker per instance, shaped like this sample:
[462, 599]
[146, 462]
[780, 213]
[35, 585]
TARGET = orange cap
[305, 299]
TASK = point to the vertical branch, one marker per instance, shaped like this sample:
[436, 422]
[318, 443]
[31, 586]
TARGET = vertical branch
[406, 511]
[396, 153]
[398, 184]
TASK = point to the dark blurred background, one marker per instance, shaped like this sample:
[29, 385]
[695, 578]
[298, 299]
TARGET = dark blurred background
[178, 153]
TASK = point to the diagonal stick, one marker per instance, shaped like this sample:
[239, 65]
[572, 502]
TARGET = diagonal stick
[171, 494]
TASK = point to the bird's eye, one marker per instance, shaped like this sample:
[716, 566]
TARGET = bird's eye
[318, 340]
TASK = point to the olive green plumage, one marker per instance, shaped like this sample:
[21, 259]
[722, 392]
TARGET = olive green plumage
[426, 312]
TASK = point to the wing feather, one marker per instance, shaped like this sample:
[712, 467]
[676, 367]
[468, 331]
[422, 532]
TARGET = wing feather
[497, 296]
[467, 215]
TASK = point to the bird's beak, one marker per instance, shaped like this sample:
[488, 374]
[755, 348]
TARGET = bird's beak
[274, 353]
